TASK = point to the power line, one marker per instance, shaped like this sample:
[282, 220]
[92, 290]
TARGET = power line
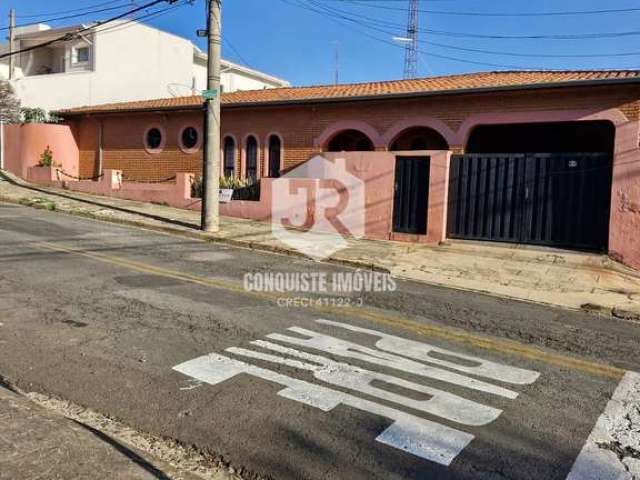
[236, 51]
[529, 55]
[388, 42]
[72, 35]
[66, 17]
[445, 33]
[375, 24]
[560, 36]
[359, 23]
[499, 14]
[147, 16]
[63, 12]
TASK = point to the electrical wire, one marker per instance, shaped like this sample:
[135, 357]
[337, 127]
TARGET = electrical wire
[364, 20]
[147, 16]
[66, 17]
[445, 33]
[497, 14]
[235, 50]
[72, 35]
[63, 12]
[388, 42]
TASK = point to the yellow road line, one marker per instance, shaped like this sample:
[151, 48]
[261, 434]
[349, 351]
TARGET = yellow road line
[447, 333]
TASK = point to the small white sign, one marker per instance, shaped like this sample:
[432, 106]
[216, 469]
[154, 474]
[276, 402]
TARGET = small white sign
[225, 194]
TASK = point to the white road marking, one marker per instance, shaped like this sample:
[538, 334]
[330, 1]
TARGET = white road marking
[192, 384]
[617, 431]
[440, 403]
[423, 352]
[209, 256]
[423, 438]
[346, 349]
[418, 436]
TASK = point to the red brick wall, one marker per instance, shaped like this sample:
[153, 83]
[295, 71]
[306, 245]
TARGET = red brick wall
[299, 126]
[86, 134]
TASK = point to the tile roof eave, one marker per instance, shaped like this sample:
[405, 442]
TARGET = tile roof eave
[169, 108]
[387, 96]
[458, 91]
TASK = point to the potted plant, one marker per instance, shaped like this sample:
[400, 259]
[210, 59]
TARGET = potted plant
[46, 158]
[231, 188]
[46, 169]
[227, 186]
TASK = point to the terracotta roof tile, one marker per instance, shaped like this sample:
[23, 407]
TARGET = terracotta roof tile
[446, 84]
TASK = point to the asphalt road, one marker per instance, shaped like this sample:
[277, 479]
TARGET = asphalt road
[157, 331]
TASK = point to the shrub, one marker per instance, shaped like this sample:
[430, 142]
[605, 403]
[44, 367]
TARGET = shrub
[243, 189]
[37, 115]
[9, 104]
[46, 158]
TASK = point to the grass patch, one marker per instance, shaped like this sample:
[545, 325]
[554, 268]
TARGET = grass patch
[38, 202]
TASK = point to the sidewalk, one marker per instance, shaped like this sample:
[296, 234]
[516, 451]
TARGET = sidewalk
[39, 444]
[565, 279]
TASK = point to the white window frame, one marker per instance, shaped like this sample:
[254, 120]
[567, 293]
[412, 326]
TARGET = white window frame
[74, 55]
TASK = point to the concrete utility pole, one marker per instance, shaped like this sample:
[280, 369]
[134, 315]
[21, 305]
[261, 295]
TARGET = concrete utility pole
[12, 28]
[211, 165]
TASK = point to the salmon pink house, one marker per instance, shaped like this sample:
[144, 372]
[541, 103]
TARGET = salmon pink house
[545, 158]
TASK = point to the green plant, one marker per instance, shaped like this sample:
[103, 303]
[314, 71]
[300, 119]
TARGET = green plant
[232, 183]
[46, 158]
[9, 104]
[38, 202]
[38, 115]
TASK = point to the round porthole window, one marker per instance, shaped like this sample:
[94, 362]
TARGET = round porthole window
[154, 139]
[189, 138]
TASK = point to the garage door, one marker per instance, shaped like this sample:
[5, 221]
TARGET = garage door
[554, 199]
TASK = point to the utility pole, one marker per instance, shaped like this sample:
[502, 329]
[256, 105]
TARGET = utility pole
[12, 40]
[411, 48]
[211, 164]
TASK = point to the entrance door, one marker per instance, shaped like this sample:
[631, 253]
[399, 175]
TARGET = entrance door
[555, 199]
[411, 195]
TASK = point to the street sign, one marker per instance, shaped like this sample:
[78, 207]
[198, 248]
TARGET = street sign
[202, 33]
[209, 94]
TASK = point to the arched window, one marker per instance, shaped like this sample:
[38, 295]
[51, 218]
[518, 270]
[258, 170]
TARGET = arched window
[419, 138]
[229, 157]
[350, 141]
[251, 158]
[275, 156]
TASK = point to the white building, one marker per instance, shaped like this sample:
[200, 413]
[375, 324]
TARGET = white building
[122, 61]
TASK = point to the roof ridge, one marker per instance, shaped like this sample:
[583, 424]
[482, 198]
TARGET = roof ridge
[446, 84]
[454, 76]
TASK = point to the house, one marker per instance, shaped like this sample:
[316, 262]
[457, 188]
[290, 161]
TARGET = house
[537, 157]
[124, 61]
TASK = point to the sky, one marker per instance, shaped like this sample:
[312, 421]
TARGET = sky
[288, 39]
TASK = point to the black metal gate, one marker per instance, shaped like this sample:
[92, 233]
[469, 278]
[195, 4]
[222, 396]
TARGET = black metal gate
[411, 195]
[557, 199]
